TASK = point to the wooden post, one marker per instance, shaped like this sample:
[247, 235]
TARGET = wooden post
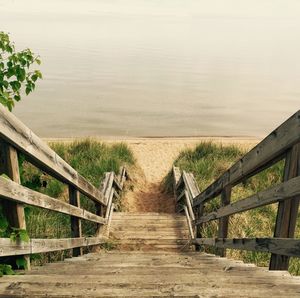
[199, 213]
[9, 165]
[74, 199]
[223, 222]
[287, 210]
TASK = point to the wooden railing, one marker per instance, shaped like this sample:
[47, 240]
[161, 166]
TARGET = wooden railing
[282, 143]
[15, 137]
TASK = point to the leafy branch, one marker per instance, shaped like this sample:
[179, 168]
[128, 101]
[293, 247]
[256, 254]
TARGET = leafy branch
[15, 74]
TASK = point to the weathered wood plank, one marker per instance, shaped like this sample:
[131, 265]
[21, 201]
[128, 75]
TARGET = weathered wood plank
[13, 191]
[41, 155]
[190, 184]
[177, 199]
[14, 211]
[109, 203]
[189, 205]
[176, 175]
[76, 231]
[109, 186]
[283, 246]
[287, 210]
[188, 219]
[282, 191]
[9, 248]
[260, 157]
[223, 221]
[109, 219]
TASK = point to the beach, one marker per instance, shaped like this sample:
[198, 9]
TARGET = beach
[155, 157]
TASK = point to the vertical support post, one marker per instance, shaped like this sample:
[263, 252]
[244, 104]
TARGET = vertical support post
[287, 210]
[74, 199]
[9, 165]
[199, 213]
[223, 222]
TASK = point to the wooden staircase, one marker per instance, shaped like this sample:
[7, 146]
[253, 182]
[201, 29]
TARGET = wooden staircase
[151, 260]
[149, 231]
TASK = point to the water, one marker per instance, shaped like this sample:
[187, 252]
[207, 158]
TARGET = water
[158, 67]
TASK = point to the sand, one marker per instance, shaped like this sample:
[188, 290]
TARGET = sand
[155, 157]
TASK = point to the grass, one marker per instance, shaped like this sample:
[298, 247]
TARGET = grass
[207, 162]
[91, 159]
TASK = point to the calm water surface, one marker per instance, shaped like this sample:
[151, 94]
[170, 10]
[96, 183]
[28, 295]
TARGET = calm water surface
[158, 67]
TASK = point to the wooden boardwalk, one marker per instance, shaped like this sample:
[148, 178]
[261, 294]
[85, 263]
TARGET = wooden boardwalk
[154, 255]
[160, 265]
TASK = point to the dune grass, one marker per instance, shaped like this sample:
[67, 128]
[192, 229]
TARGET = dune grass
[207, 162]
[91, 159]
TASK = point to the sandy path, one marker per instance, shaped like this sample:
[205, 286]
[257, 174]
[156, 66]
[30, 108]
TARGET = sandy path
[155, 157]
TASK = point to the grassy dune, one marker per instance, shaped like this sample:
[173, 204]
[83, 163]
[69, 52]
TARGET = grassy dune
[91, 159]
[207, 162]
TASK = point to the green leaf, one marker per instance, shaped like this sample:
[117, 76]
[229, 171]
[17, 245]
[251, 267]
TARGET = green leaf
[34, 77]
[27, 90]
[17, 97]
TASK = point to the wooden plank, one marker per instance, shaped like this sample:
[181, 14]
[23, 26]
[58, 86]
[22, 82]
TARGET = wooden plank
[287, 210]
[116, 183]
[110, 201]
[223, 221]
[189, 205]
[9, 248]
[260, 157]
[280, 192]
[283, 246]
[108, 187]
[189, 222]
[180, 196]
[14, 211]
[76, 231]
[190, 184]
[176, 175]
[179, 184]
[109, 219]
[13, 191]
[42, 156]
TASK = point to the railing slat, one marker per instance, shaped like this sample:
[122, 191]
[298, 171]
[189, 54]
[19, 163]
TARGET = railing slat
[41, 155]
[223, 221]
[76, 231]
[272, 147]
[18, 193]
[9, 248]
[282, 246]
[287, 210]
[282, 191]
[14, 211]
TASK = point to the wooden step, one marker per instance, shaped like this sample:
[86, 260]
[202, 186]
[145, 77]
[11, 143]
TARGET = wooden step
[149, 274]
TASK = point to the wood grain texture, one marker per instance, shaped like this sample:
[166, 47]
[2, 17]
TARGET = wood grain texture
[41, 155]
[280, 192]
[13, 191]
[76, 230]
[224, 220]
[283, 246]
[260, 157]
[287, 210]
[10, 248]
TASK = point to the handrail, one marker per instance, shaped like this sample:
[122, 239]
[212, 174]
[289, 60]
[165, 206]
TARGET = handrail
[282, 143]
[15, 137]
[185, 189]
[262, 156]
[14, 132]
